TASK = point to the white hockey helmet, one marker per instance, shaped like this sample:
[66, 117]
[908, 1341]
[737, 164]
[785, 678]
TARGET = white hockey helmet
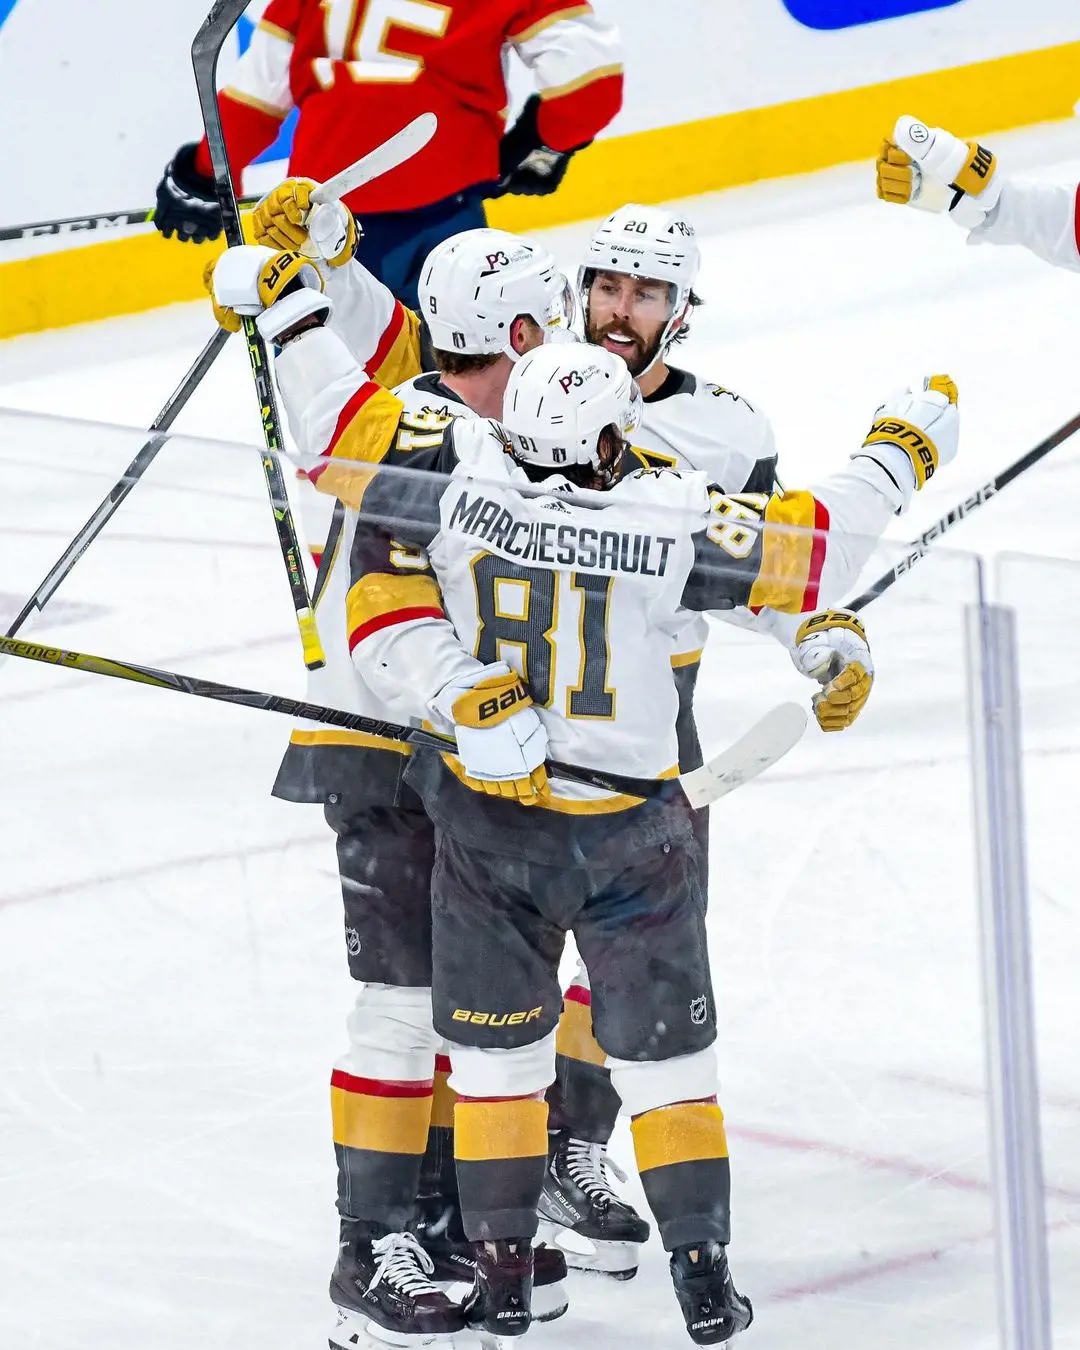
[650, 242]
[559, 401]
[475, 284]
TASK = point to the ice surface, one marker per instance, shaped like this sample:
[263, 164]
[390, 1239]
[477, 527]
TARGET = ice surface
[172, 983]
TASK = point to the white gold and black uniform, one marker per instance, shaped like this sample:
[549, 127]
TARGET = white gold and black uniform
[690, 423]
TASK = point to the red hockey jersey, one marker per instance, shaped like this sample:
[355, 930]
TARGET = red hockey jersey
[358, 72]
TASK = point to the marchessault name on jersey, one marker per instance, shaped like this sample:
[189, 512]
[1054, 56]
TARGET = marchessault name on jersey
[557, 543]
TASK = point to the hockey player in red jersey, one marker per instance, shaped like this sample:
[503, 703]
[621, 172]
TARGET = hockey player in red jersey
[933, 170]
[358, 73]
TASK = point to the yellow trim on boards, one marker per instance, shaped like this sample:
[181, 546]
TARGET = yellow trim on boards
[143, 271]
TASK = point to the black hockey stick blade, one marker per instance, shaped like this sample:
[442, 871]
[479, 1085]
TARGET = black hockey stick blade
[102, 223]
[120, 490]
[962, 510]
[762, 745]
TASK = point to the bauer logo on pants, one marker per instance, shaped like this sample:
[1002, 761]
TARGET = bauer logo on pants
[490, 1019]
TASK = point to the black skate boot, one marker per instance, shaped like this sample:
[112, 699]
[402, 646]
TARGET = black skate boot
[501, 1298]
[578, 1199]
[382, 1288]
[714, 1311]
[439, 1229]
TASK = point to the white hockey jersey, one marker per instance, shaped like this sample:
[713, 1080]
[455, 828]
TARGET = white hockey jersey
[321, 759]
[353, 431]
[1043, 217]
[690, 423]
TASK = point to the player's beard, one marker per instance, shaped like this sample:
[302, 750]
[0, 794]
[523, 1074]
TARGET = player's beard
[638, 357]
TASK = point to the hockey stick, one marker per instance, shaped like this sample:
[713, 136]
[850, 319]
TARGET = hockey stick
[123, 486]
[962, 510]
[395, 150]
[752, 753]
[385, 157]
[204, 58]
[99, 224]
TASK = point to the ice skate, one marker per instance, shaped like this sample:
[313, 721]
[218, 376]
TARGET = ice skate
[591, 1225]
[383, 1292]
[715, 1312]
[454, 1257]
[501, 1298]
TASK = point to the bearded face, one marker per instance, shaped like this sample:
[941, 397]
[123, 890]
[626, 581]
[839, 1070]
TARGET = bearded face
[628, 315]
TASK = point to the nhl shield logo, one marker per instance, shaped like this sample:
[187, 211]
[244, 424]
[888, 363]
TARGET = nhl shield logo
[699, 1011]
[352, 941]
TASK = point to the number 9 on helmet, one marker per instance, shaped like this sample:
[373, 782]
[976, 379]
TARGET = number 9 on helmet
[475, 284]
[569, 409]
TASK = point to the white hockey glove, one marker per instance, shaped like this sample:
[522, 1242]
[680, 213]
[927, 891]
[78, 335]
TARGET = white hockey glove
[285, 218]
[831, 648]
[934, 170]
[914, 434]
[501, 741]
[280, 290]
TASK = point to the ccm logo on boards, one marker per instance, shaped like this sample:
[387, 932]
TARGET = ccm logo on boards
[851, 13]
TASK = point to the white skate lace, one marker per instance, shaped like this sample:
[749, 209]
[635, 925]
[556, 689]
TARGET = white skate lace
[403, 1264]
[588, 1166]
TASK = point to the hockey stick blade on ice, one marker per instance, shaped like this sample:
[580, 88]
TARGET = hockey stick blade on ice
[123, 485]
[918, 547]
[761, 746]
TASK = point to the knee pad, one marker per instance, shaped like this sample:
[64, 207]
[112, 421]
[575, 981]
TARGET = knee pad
[503, 1073]
[390, 1034]
[647, 1085]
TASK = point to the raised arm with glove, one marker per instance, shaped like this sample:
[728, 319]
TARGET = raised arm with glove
[933, 170]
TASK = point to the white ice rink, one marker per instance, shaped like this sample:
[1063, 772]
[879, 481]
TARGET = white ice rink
[172, 977]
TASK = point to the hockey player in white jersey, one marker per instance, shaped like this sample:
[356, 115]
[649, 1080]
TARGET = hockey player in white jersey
[714, 428]
[933, 170]
[350, 427]
[487, 297]
[515, 543]
[636, 285]
[504, 296]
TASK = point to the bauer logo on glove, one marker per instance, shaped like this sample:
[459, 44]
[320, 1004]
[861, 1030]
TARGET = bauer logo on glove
[913, 434]
[831, 647]
[496, 708]
[501, 740]
[280, 290]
